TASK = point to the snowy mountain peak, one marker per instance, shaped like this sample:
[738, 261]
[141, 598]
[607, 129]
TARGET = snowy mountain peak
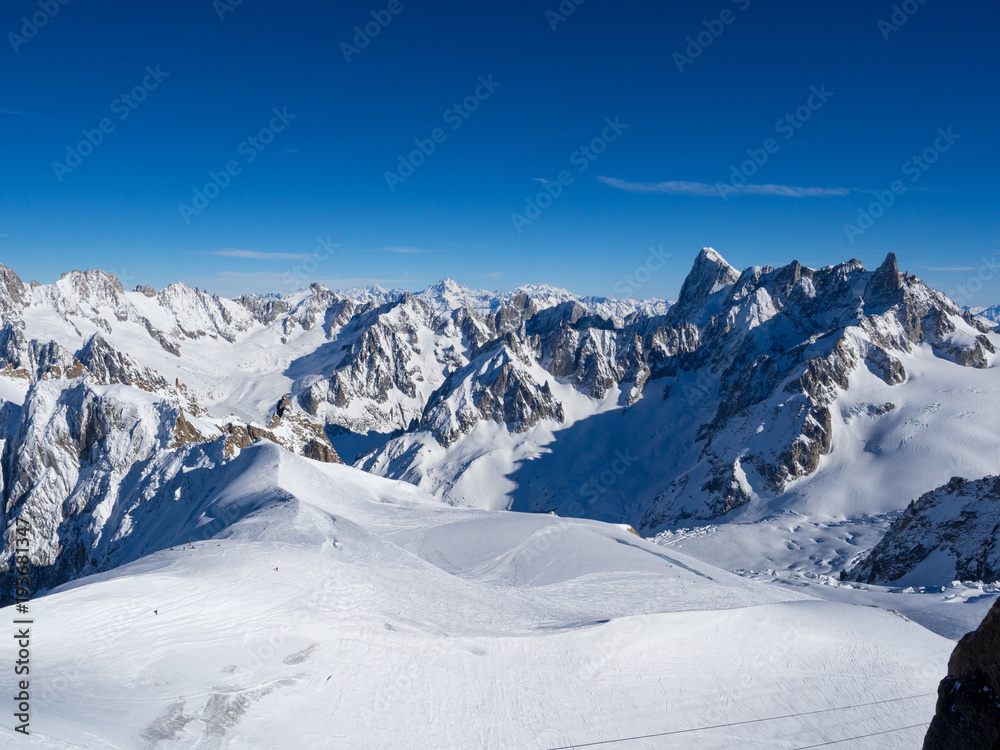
[524, 387]
[446, 285]
[373, 294]
[890, 268]
[12, 289]
[947, 533]
[84, 281]
[448, 294]
[711, 255]
[709, 275]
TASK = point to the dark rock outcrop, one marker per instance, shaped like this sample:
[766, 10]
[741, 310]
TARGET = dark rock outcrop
[968, 707]
[317, 446]
[959, 521]
[496, 386]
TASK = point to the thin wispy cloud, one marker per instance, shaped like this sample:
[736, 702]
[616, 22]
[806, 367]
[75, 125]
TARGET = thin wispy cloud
[705, 190]
[950, 268]
[31, 115]
[540, 179]
[404, 250]
[255, 255]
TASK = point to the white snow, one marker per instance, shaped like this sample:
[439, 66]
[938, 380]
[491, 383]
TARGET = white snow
[339, 610]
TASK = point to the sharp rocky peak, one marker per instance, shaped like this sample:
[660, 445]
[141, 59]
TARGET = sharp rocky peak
[12, 290]
[709, 275]
[885, 283]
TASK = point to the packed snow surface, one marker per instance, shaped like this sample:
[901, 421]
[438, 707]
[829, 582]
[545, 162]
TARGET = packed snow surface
[335, 609]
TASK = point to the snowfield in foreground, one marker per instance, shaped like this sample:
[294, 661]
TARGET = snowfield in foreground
[334, 609]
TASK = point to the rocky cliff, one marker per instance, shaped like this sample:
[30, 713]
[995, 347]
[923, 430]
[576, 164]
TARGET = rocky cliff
[968, 707]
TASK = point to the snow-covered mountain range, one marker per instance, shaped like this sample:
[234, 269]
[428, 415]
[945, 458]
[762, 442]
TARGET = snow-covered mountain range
[752, 396]
[992, 314]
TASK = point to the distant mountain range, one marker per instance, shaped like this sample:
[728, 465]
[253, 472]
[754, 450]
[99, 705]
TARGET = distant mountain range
[991, 314]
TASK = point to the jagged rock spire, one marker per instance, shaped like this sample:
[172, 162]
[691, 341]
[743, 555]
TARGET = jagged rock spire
[884, 285]
[709, 274]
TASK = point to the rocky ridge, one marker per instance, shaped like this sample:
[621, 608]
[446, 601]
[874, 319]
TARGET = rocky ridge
[955, 527]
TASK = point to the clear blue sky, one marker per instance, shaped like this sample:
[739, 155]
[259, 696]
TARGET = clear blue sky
[324, 173]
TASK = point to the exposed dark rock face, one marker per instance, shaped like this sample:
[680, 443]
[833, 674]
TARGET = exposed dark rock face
[12, 291]
[968, 707]
[884, 287]
[264, 309]
[764, 346]
[514, 314]
[110, 366]
[185, 432]
[288, 428]
[496, 386]
[321, 449]
[66, 459]
[800, 332]
[239, 436]
[960, 521]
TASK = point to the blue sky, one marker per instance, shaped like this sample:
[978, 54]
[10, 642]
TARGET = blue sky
[806, 113]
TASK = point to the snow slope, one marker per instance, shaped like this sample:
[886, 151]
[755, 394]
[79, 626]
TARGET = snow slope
[321, 607]
[943, 425]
